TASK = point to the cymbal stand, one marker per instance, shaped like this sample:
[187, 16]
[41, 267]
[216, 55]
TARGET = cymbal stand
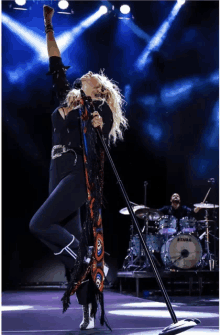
[145, 235]
[211, 261]
[145, 218]
[215, 237]
[215, 195]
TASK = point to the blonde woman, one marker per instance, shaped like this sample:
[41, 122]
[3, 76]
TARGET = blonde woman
[69, 221]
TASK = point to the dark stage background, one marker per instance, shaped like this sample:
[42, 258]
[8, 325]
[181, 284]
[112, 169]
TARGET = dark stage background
[172, 108]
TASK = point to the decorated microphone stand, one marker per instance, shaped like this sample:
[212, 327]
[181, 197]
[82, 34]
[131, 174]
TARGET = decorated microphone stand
[177, 326]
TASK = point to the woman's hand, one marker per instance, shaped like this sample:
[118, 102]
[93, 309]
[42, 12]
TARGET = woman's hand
[48, 12]
[97, 120]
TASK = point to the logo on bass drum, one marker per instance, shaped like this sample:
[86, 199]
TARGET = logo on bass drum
[182, 239]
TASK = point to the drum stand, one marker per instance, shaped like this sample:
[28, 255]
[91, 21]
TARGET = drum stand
[167, 267]
[177, 326]
[130, 256]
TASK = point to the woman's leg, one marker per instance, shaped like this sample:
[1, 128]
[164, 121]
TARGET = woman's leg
[73, 225]
[66, 198]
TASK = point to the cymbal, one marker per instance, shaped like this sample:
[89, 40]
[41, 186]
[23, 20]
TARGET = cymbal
[204, 221]
[125, 211]
[153, 214]
[202, 205]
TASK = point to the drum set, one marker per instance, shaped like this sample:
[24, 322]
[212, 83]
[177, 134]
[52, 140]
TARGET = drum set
[174, 244]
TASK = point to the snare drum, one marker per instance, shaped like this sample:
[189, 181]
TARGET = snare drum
[183, 251]
[188, 224]
[167, 225]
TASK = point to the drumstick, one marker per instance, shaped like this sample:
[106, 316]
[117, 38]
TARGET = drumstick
[206, 195]
[197, 208]
[133, 203]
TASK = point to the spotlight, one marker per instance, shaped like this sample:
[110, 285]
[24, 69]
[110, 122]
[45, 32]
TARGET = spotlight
[125, 9]
[181, 2]
[20, 2]
[103, 9]
[63, 4]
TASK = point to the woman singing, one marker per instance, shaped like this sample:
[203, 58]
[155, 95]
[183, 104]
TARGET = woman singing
[69, 221]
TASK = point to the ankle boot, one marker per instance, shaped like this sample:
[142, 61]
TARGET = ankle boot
[88, 322]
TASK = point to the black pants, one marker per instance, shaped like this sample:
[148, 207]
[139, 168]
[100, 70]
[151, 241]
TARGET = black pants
[58, 219]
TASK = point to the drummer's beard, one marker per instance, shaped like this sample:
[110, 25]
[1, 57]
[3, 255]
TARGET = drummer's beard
[175, 205]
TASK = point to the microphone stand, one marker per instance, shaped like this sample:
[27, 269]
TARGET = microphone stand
[177, 326]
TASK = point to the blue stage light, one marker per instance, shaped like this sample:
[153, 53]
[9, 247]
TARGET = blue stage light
[63, 4]
[155, 131]
[125, 9]
[179, 91]
[214, 78]
[148, 100]
[211, 135]
[38, 44]
[20, 2]
[158, 39]
[127, 93]
[103, 10]
[137, 31]
[33, 40]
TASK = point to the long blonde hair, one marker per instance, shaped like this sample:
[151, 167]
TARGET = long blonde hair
[107, 91]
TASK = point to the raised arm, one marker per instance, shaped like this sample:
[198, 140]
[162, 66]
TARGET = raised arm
[52, 47]
[56, 67]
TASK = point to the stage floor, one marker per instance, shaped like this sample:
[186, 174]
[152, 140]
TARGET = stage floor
[40, 312]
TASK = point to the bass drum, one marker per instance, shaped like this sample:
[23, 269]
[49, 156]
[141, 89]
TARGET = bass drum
[183, 251]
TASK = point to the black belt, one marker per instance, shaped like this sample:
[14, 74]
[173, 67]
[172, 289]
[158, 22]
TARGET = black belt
[60, 149]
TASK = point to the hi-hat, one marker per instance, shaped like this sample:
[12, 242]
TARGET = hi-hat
[125, 211]
[202, 205]
[180, 326]
[153, 214]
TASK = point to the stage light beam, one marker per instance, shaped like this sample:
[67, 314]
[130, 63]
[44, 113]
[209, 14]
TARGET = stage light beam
[38, 43]
[158, 39]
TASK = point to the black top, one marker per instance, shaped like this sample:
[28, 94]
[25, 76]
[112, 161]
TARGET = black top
[180, 212]
[67, 131]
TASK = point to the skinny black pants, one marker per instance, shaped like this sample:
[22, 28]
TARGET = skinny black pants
[58, 219]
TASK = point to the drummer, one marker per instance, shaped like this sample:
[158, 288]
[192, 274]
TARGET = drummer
[176, 209]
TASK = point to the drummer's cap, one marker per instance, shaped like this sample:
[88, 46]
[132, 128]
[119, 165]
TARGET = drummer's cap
[175, 197]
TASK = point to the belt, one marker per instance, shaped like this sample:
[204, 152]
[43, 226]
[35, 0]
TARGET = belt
[60, 149]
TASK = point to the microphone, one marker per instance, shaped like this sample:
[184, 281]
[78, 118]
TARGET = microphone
[77, 84]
